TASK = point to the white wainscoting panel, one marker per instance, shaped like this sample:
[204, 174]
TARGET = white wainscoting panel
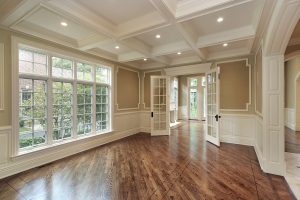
[145, 121]
[258, 139]
[183, 112]
[125, 124]
[237, 129]
[290, 118]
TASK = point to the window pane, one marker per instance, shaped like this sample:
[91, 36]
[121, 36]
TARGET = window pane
[102, 75]
[84, 109]
[62, 67]
[102, 108]
[31, 62]
[62, 110]
[84, 72]
[32, 112]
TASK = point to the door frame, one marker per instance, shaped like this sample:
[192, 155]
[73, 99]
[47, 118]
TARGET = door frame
[199, 116]
[167, 130]
[213, 140]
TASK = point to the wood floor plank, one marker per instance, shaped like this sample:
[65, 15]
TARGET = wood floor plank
[181, 166]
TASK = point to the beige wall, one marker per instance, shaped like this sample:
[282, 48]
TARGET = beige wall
[234, 85]
[127, 88]
[258, 81]
[146, 87]
[292, 69]
[291, 49]
[5, 116]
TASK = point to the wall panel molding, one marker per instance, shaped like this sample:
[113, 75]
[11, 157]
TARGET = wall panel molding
[1, 76]
[249, 101]
[118, 107]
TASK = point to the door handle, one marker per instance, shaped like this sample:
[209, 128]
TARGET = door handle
[217, 117]
[152, 114]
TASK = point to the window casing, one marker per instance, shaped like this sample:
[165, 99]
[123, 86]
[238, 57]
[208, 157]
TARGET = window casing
[60, 98]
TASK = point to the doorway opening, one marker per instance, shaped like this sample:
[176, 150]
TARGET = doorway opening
[292, 110]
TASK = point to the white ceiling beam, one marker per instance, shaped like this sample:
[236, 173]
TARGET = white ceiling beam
[144, 49]
[131, 56]
[170, 48]
[83, 16]
[165, 9]
[92, 42]
[187, 10]
[238, 34]
[13, 10]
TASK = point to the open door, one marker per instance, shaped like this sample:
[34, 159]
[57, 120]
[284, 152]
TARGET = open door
[160, 105]
[212, 106]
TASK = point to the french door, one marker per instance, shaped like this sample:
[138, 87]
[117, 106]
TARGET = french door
[212, 105]
[160, 106]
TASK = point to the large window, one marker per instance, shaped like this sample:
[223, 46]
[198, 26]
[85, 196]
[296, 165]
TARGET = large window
[60, 98]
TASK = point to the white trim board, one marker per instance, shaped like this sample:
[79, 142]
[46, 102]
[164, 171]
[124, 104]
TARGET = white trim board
[188, 69]
[1, 76]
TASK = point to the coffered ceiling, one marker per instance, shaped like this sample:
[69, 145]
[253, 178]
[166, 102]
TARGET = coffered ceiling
[143, 33]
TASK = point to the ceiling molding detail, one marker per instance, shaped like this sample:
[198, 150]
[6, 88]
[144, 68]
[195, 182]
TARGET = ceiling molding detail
[187, 27]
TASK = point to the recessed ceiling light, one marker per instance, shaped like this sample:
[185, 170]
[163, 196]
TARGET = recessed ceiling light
[220, 19]
[64, 23]
[145, 59]
[157, 36]
[225, 44]
[179, 53]
[117, 47]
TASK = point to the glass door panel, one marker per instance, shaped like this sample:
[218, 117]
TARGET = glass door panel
[212, 105]
[160, 105]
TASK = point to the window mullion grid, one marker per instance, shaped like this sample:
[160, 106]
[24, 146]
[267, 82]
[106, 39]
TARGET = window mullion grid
[75, 101]
[49, 102]
[94, 100]
[32, 113]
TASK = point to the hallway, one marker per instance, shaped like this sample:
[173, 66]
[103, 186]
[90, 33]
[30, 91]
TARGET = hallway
[181, 166]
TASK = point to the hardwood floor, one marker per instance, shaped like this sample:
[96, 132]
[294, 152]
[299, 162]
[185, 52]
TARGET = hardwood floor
[292, 141]
[182, 166]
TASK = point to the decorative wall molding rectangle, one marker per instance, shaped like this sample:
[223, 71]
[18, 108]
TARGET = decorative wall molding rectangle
[258, 81]
[249, 101]
[116, 96]
[290, 120]
[1, 76]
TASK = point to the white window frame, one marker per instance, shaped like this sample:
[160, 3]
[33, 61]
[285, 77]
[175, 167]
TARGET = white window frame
[18, 43]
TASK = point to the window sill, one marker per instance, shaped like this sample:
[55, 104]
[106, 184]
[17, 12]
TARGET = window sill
[60, 143]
